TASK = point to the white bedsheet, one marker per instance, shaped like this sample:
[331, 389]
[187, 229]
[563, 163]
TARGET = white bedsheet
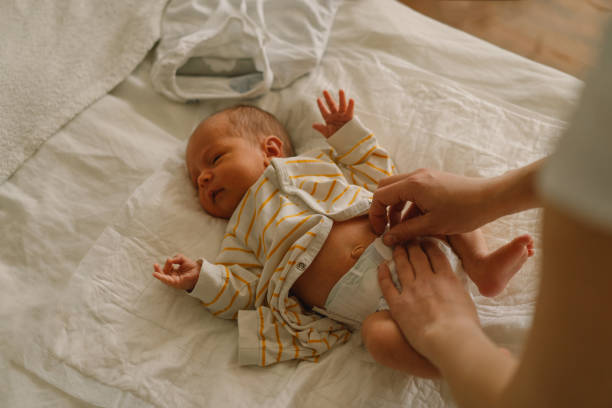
[83, 220]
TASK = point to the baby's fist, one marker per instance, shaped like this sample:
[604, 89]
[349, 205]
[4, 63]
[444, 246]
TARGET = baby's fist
[179, 272]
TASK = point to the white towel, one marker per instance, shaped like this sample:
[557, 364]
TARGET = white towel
[238, 48]
[56, 58]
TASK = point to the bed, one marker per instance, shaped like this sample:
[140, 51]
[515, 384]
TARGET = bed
[103, 194]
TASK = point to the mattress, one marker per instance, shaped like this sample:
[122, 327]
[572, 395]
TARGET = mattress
[87, 215]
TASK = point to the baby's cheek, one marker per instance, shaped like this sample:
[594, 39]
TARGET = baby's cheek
[202, 202]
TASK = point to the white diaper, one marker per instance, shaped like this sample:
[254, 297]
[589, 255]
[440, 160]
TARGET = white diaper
[358, 294]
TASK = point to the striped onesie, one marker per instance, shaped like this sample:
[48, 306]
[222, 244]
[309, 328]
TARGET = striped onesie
[276, 231]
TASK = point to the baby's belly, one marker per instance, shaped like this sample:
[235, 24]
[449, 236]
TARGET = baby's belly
[346, 242]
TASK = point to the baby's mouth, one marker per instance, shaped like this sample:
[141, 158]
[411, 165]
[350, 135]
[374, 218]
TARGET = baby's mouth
[214, 193]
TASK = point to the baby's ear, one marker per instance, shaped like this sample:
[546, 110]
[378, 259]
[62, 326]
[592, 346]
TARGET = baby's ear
[272, 146]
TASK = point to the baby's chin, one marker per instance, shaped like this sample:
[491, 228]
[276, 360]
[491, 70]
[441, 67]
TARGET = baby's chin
[218, 213]
[223, 210]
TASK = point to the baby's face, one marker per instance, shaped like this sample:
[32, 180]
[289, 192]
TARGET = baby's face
[222, 166]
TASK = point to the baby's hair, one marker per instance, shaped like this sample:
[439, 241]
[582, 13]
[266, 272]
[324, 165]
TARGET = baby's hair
[255, 122]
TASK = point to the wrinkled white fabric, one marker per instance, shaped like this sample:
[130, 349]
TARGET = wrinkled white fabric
[238, 48]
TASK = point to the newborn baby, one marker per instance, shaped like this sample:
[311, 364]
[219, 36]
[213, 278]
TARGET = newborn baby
[297, 225]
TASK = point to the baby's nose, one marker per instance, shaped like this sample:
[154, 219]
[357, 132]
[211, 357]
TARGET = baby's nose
[204, 178]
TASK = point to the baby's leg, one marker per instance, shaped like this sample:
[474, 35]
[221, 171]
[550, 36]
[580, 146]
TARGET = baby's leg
[387, 345]
[491, 271]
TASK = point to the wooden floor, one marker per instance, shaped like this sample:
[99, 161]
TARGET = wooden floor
[563, 34]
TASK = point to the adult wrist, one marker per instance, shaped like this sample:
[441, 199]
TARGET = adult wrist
[499, 200]
[444, 338]
[512, 192]
[478, 371]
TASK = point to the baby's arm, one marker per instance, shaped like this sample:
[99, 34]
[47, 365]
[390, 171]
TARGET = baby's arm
[363, 161]
[223, 288]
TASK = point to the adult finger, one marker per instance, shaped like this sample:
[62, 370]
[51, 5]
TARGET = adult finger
[439, 262]
[392, 179]
[405, 271]
[387, 287]
[378, 216]
[389, 195]
[395, 213]
[392, 191]
[409, 229]
[401, 191]
[412, 211]
[419, 261]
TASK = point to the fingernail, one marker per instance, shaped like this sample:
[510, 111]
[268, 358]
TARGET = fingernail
[389, 239]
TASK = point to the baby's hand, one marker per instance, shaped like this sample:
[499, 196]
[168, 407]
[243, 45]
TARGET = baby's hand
[335, 117]
[179, 272]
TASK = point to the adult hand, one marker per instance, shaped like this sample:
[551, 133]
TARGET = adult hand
[441, 203]
[432, 304]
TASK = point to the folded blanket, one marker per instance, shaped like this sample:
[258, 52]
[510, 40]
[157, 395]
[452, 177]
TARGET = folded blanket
[238, 48]
[56, 58]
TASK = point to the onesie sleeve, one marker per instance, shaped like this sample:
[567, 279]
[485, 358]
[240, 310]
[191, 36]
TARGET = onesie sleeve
[576, 177]
[357, 152]
[229, 285]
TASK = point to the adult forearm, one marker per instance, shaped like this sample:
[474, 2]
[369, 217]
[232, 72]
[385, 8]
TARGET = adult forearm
[477, 371]
[513, 191]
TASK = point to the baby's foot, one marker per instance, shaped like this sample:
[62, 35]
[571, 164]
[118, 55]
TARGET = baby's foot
[492, 272]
